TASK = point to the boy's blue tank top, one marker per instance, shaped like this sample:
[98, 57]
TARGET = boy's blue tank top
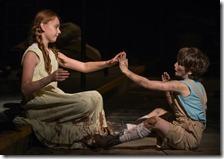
[193, 104]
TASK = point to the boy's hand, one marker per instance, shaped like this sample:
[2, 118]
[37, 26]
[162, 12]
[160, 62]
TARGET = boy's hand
[165, 77]
[123, 62]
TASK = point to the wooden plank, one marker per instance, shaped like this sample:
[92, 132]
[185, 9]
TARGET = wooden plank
[117, 81]
[9, 138]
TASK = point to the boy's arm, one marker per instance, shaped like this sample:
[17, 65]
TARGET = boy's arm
[165, 78]
[151, 84]
[175, 86]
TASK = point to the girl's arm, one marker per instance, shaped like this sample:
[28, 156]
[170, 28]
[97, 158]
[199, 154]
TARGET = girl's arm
[85, 67]
[28, 87]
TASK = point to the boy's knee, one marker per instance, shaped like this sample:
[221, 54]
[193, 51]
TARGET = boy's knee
[159, 111]
[150, 122]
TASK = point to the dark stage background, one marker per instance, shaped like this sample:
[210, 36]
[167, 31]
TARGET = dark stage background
[150, 32]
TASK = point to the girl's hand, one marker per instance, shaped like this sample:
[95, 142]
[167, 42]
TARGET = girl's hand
[61, 58]
[115, 60]
[165, 77]
[59, 75]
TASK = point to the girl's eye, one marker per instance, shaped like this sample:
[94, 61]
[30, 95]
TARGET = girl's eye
[57, 26]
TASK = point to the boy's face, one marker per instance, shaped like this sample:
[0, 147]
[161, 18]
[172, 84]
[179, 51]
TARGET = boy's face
[51, 30]
[180, 71]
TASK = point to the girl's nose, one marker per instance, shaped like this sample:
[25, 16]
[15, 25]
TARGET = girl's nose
[59, 31]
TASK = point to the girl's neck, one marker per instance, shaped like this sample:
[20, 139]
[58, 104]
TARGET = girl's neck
[46, 47]
[45, 42]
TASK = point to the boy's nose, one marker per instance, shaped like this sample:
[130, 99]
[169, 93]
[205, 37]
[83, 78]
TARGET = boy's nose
[175, 64]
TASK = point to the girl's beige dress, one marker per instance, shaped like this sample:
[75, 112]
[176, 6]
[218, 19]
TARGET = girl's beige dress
[59, 119]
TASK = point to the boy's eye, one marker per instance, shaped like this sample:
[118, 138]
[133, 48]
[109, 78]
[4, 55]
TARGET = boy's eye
[178, 63]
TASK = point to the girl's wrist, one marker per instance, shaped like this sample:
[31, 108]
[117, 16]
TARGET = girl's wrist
[51, 78]
[107, 63]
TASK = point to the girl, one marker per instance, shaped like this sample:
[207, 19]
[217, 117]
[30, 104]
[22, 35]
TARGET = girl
[59, 119]
[186, 97]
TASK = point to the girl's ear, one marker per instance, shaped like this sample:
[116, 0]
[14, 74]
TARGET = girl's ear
[42, 26]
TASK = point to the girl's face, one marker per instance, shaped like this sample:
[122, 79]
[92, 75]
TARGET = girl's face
[51, 30]
[180, 71]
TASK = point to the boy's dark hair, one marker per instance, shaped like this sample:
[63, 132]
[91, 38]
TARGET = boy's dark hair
[193, 60]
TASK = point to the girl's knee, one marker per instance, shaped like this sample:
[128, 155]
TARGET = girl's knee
[96, 96]
[86, 106]
[94, 100]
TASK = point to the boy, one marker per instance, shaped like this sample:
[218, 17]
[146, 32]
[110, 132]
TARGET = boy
[186, 97]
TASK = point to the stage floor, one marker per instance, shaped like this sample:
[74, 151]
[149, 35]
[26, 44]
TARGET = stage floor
[128, 102]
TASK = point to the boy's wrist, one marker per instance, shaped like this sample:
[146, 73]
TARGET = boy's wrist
[125, 71]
